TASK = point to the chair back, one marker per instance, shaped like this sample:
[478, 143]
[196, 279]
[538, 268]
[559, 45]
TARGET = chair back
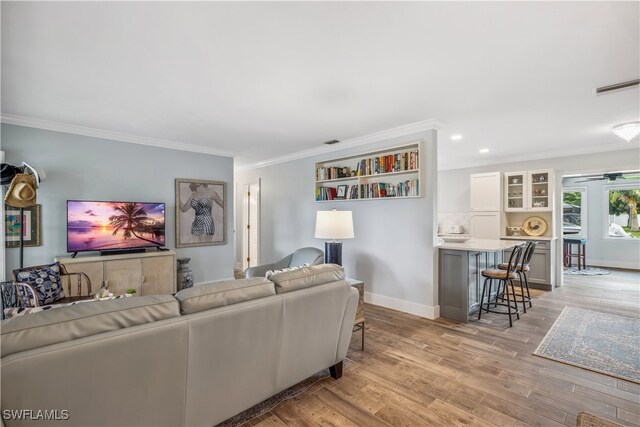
[80, 279]
[515, 258]
[309, 255]
[528, 253]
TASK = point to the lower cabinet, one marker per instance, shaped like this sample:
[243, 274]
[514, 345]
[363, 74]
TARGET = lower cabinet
[460, 281]
[541, 267]
[150, 273]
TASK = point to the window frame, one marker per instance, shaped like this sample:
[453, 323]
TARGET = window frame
[630, 185]
[584, 224]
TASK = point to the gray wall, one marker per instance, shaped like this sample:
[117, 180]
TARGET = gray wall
[453, 195]
[80, 167]
[393, 246]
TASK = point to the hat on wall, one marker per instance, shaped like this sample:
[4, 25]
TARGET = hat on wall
[22, 192]
[36, 171]
[7, 172]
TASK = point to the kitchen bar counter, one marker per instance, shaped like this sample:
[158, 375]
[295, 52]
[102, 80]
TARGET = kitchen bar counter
[480, 245]
[460, 274]
[539, 238]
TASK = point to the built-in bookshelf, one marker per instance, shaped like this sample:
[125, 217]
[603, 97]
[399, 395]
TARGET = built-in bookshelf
[392, 173]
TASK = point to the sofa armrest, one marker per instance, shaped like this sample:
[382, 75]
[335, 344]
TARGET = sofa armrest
[258, 270]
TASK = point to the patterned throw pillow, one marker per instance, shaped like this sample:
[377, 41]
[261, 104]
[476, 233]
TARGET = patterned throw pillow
[45, 280]
[272, 272]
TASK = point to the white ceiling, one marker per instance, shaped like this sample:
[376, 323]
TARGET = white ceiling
[263, 80]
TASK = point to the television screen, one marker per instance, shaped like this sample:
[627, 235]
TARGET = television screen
[103, 226]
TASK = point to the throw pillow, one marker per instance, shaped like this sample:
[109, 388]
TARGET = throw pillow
[272, 272]
[45, 280]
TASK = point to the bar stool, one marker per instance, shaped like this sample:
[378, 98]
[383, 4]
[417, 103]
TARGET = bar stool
[505, 278]
[522, 270]
[568, 243]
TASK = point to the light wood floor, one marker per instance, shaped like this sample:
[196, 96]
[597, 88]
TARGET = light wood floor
[417, 372]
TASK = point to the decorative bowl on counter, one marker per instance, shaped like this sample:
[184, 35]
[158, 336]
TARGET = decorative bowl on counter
[455, 238]
[515, 231]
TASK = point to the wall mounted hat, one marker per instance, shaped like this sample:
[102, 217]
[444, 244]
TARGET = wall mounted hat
[38, 172]
[7, 172]
[22, 192]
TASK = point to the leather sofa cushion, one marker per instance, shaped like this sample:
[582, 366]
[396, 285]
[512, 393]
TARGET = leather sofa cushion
[81, 320]
[225, 292]
[306, 277]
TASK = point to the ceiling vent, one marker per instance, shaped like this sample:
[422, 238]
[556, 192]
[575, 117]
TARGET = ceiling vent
[331, 142]
[617, 86]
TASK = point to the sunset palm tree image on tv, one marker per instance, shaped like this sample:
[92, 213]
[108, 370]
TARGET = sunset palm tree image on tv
[104, 226]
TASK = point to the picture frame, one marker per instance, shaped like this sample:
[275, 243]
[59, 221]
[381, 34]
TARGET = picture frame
[31, 226]
[342, 192]
[201, 213]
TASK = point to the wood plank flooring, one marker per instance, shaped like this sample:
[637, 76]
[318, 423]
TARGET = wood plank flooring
[417, 372]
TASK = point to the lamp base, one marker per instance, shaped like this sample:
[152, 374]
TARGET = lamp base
[333, 253]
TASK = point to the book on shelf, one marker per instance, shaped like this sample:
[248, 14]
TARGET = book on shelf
[398, 162]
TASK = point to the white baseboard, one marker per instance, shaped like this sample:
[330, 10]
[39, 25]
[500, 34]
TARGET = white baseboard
[613, 264]
[428, 311]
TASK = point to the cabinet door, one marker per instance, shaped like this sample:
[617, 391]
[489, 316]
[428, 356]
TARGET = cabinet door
[540, 268]
[515, 191]
[92, 269]
[486, 190]
[485, 225]
[540, 190]
[157, 275]
[120, 275]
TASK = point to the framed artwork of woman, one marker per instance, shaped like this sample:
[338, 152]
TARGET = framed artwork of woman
[200, 213]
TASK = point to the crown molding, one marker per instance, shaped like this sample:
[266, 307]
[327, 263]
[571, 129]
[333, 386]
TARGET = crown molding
[547, 155]
[409, 129]
[105, 134]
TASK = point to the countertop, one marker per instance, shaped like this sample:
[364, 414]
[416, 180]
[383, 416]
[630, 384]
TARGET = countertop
[548, 239]
[481, 245]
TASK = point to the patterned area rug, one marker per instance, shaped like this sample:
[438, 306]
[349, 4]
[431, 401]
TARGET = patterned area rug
[589, 271]
[586, 419]
[273, 401]
[601, 342]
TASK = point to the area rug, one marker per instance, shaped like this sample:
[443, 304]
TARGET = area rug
[600, 342]
[267, 405]
[586, 419]
[588, 271]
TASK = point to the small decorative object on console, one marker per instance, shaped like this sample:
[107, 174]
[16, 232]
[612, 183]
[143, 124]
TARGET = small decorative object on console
[185, 275]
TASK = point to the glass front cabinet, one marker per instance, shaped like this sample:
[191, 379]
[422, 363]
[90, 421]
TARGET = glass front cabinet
[528, 191]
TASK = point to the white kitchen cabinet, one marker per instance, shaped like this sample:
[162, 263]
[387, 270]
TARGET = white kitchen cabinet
[486, 192]
[528, 191]
[485, 225]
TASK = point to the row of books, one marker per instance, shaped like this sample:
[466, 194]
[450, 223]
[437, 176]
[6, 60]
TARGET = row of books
[323, 174]
[390, 163]
[369, 191]
[372, 166]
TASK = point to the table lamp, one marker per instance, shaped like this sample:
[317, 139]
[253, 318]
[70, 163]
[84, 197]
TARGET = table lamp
[334, 225]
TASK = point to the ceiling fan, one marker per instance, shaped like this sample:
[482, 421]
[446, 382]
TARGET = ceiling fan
[611, 176]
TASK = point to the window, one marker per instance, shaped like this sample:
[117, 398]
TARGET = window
[622, 215]
[574, 211]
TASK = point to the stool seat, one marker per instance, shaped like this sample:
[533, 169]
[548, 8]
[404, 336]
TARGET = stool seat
[575, 240]
[494, 273]
[520, 267]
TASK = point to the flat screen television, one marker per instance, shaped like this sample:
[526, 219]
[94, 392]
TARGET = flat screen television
[114, 226]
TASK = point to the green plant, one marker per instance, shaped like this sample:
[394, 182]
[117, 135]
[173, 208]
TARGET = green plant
[131, 291]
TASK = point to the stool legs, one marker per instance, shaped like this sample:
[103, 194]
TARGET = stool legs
[482, 298]
[520, 274]
[511, 309]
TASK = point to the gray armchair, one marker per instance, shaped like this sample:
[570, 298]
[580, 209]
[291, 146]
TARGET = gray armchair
[300, 257]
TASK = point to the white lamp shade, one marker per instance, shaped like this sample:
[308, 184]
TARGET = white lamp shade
[335, 225]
